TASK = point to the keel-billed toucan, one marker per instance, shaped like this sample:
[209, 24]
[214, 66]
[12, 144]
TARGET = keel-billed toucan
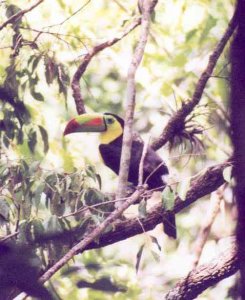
[111, 127]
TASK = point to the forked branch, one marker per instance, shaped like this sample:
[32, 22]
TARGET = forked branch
[77, 94]
[19, 14]
[176, 122]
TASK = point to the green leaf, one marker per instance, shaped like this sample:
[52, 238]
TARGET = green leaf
[155, 241]
[53, 226]
[57, 205]
[180, 60]
[4, 211]
[190, 35]
[68, 182]
[98, 177]
[36, 194]
[32, 140]
[21, 237]
[155, 256]
[63, 79]
[35, 63]
[103, 284]
[93, 196]
[51, 179]
[138, 257]
[12, 10]
[25, 207]
[209, 24]
[33, 167]
[33, 81]
[31, 58]
[34, 230]
[6, 141]
[36, 95]
[168, 198]
[93, 266]
[20, 137]
[70, 270]
[91, 172]
[51, 69]
[44, 135]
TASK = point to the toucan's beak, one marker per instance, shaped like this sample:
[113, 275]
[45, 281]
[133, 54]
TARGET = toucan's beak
[86, 123]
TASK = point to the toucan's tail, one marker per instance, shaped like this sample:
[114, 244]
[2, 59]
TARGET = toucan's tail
[169, 224]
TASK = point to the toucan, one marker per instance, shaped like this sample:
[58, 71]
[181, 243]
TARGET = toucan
[111, 128]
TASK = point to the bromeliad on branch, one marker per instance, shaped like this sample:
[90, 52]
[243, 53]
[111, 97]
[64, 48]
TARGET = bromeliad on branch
[111, 127]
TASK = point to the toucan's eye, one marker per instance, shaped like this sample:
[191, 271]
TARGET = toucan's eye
[110, 120]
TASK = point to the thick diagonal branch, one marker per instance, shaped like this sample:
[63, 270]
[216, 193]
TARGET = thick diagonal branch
[200, 187]
[206, 275]
[176, 122]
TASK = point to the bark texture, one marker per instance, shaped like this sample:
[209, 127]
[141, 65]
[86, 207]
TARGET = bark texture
[238, 131]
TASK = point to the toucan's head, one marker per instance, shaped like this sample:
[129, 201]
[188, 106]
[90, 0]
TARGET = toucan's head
[110, 125]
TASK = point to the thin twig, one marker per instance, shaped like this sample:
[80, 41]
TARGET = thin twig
[68, 18]
[124, 8]
[153, 172]
[130, 101]
[75, 84]
[176, 122]
[90, 207]
[142, 160]
[9, 236]
[54, 33]
[19, 14]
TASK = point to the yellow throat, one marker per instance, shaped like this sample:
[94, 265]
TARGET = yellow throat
[113, 131]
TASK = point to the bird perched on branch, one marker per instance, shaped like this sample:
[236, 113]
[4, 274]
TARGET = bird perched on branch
[111, 127]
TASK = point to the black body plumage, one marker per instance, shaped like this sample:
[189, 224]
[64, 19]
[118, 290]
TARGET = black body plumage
[154, 168]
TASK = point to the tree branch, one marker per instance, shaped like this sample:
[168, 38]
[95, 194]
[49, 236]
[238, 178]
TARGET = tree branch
[176, 122]
[206, 275]
[75, 84]
[237, 105]
[130, 102]
[19, 14]
[200, 187]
